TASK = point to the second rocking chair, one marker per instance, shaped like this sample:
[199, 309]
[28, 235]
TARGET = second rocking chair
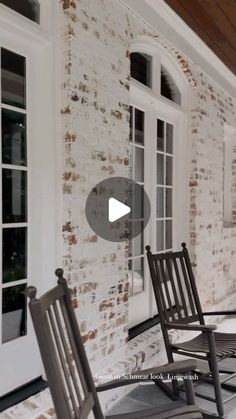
[179, 307]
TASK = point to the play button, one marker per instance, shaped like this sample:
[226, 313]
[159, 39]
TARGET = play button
[117, 209]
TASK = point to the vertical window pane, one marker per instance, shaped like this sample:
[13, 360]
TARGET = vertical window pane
[139, 164]
[131, 124]
[139, 127]
[169, 138]
[13, 78]
[130, 277]
[138, 279]
[160, 135]
[169, 170]
[131, 161]
[138, 245]
[169, 211]
[160, 169]
[13, 138]
[14, 193]
[168, 234]
[160, 203]
[160, 236]
[14, 254]
[13, 313]
[141, 68]
[27, 8]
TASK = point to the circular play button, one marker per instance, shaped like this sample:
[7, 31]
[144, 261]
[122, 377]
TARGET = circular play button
[117, 209]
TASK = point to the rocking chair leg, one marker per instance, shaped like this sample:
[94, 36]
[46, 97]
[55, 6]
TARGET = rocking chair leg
[216, 376]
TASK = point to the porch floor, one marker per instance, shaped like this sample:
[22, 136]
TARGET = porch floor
[149, 395]
[141, 397]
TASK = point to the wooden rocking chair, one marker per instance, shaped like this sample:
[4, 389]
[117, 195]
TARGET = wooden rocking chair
[67, 369]
[178, 306]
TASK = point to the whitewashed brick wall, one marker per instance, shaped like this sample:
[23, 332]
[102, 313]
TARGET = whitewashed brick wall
[96, 36]
[96, 71]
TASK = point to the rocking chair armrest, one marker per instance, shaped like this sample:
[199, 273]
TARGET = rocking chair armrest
[205, 328]
[220, 313]
[161, 372]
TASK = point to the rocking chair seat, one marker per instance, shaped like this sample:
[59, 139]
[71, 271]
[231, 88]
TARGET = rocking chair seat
[225, 344]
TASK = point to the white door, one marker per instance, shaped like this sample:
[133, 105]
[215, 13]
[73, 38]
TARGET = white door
[27, 239]
[156, 157]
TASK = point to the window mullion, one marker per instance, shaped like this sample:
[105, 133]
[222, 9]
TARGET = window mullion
[156, 70]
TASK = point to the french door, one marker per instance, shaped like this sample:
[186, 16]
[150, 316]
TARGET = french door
[25, 205]
[154, 149]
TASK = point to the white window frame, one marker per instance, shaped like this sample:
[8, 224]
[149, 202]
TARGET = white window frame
[38, 45]
[142, 306]
[47, 11]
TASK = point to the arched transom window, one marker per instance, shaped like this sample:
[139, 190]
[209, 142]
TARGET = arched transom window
[27, 8]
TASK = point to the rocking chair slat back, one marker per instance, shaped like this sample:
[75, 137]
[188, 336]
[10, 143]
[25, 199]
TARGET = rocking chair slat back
[66, 365]
[174, 287]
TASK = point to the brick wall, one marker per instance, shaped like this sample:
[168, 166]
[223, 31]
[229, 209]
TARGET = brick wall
[96, 42]
[96, 37]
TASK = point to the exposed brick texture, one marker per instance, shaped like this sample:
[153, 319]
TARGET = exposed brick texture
[96, 37]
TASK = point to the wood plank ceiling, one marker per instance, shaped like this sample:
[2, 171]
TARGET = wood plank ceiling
[214, 21]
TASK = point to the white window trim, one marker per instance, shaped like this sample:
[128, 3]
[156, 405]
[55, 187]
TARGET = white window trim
[40, 45]
[178, 116]
[37, 30]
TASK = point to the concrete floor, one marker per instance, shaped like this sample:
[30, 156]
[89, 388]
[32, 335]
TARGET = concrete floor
[149, 395]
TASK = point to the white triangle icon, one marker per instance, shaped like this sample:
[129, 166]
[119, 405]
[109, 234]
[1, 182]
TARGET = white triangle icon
[116, 210]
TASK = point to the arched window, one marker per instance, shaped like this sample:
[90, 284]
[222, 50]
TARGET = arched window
[27, 8]
[157, 135]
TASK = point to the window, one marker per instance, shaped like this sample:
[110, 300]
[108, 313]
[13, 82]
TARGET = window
[141, 68]
[136, 158]
[169, 88]
[14, 194]
[27, 8]
[164, 184]
[228, 151]
[156, 152]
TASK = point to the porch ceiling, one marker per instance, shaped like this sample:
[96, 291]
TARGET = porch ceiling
[214, 21]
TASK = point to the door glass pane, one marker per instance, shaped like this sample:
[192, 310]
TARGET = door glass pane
[139, 127]
[138, 280]
[169, 170]
[130, 277]
[160, 202]
[131, 161]
[160, 236]
[168, 234]
[13, 312]
[27, 8]
[168, 202]
[160, 135]
[14, 192]
[131, 123]
[13, 78]
[14, 254]
[138, 245]
[169, 138]
[160, 169]
[139, 164]
[13, 138]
